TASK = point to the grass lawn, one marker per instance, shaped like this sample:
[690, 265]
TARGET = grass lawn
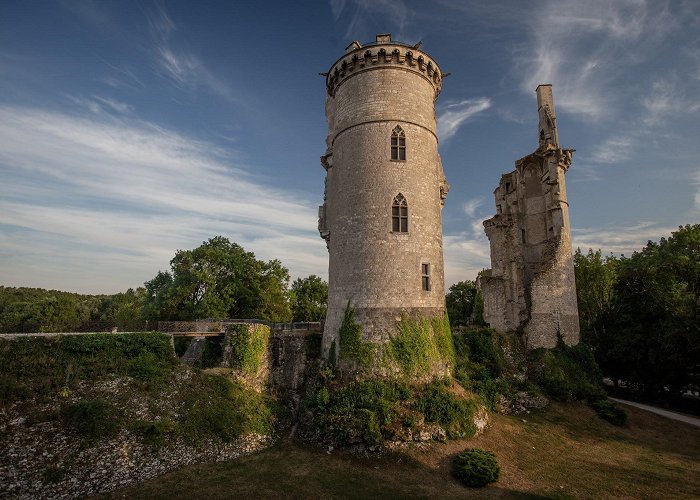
[564, 452]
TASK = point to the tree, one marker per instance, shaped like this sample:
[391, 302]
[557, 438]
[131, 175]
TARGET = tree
[310, 298]
[595, 283]
[219, 279]
[646, 328]
[459, 302]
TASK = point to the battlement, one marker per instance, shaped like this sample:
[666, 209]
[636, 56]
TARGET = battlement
[382, 54]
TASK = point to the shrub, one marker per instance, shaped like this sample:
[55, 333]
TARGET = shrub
[224, 410]
[360, 409]
[91, 418]
[481, 365]
[156, 434]
[607, 410]
[148, 367]
[43, 365]
[476, 468]
[567, 373]
[454, 414]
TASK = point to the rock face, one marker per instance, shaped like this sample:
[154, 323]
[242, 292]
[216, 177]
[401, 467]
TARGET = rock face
[530, 288]
[385, 188]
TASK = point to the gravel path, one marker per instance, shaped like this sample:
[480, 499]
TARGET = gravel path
[664, 413]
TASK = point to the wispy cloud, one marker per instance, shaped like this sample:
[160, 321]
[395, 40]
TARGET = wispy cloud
[453, 115]
[613, 150]
[467, 252]
[123, 194]
[581, 48]
[97, 104]
[360, 16]
[178, 63]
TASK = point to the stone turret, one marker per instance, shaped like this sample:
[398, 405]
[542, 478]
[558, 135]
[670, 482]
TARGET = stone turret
[530, 288]
[385, 188]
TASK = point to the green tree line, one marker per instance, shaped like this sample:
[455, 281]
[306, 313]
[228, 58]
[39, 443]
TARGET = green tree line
[218, 279]
[641, 314]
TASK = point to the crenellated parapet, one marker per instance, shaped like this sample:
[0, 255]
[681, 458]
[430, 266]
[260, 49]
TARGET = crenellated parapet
[382, 54]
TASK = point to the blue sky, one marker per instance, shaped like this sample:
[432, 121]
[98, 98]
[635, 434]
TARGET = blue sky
[131, 129]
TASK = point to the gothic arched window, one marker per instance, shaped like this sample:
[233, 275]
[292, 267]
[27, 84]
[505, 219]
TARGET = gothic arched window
[399, 214]
[398, 144]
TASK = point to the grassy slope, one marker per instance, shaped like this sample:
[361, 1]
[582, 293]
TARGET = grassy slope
[564, 452]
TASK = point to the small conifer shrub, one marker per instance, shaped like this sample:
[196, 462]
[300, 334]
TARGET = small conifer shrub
[476, 468]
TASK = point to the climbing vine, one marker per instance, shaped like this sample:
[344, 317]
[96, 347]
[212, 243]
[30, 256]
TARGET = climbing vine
[351, 345]
[248, 346]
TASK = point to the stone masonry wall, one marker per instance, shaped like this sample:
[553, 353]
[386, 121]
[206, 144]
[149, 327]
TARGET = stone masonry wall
[531, 287]
[375, 270]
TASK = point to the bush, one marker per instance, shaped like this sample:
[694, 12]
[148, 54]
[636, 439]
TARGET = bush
[91, 418]
[224, 410]
[481, 365]
[360, 409]
[156, 434]
[607, 410]
[43, 365]
[568, 373]
[476, 468]
[440, 406]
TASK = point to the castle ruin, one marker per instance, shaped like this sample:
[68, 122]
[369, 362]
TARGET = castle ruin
[385, 189]
[530, 288]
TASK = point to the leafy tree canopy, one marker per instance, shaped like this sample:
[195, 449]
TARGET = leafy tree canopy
[309, 298]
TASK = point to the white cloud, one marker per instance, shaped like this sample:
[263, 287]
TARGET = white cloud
[471, 206]
[103, 187]
[453, 115]
[619, 240]
[614, 150]
[582, 48]
[359, 15]
[179, 64]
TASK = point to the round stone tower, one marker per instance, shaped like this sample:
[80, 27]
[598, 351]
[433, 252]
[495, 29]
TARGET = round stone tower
[385, 189]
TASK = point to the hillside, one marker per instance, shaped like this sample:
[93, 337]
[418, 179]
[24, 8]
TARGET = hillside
[562, 452]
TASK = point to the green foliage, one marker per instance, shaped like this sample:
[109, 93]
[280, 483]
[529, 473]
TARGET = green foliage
[459, 302]
[219, 279]
[39, 310]
[567, 373]
[91, 418]
[644, 321]
[310, 299]
[607, 410]
[44, 365]
[481, 365]
[157, 433]
[443, 407]
[420, 345]
[351, 345]
[476, 468]
[147, 366]
[360, 409]
[248, 346]
[223, 410]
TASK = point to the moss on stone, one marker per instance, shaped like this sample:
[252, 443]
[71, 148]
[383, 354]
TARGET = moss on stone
[419, 345]
[248, 346]
[351, 345]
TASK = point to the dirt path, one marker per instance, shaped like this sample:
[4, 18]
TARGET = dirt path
[664, 413]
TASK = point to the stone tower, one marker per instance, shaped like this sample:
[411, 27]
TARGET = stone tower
[385, 188]
[531, 288]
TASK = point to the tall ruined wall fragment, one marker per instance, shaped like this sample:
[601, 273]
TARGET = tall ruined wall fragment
[530, 288]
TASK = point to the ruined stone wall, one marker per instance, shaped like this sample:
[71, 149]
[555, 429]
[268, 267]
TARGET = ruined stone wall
[377, 271]
[531, 288]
